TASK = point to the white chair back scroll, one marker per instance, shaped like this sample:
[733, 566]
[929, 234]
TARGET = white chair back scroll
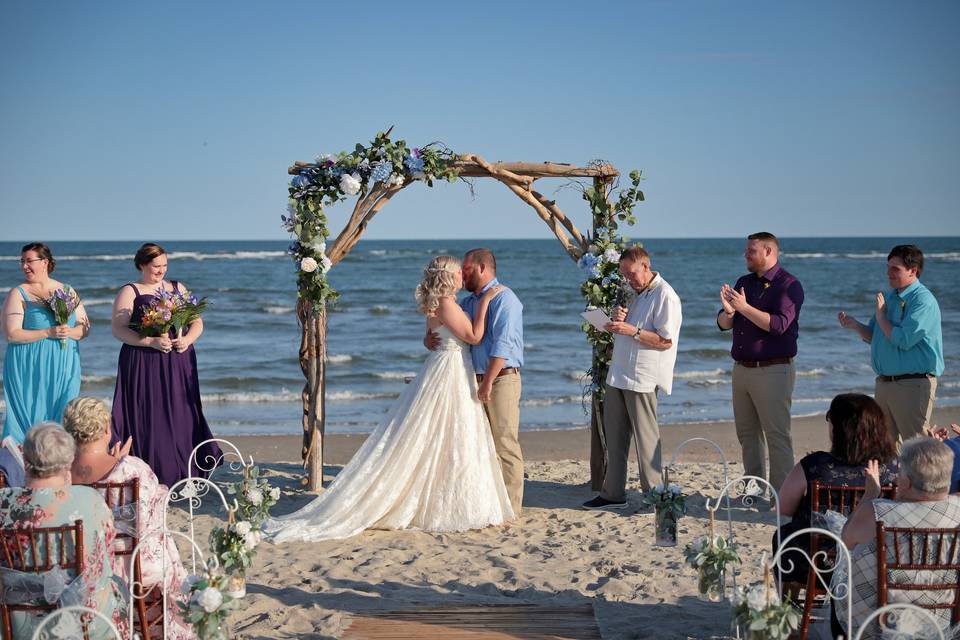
[192, 491]
[64, 624]
[924, 626]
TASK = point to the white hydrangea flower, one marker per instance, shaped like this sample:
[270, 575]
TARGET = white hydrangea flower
[325, 264]
[350, 183]
[611, 255]
[674, 488]
[757, 597]
[308, 265]
[318, 245]
[395, 180]
[659, 487]
[275, 493]
[255, 496]
[242, 527]
[210, 599]
[594, 249]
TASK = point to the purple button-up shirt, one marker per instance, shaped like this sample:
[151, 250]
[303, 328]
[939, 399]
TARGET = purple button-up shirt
[779, 294]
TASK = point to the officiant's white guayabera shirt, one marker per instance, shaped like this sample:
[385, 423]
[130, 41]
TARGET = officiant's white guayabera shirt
[636, 367]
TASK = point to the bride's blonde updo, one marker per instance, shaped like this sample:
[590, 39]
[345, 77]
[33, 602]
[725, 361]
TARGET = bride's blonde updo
[439, 280]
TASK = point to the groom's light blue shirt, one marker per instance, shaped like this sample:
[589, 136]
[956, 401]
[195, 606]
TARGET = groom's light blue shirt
[503, 337]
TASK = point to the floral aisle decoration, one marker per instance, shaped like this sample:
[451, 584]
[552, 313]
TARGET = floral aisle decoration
[669, 504]
[603, 287]
[208, 602]
[710, 555]
[760, 610]
[383, 163]
[235, 545]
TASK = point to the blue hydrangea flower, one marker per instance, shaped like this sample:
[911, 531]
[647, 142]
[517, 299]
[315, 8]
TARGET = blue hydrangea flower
[413, 163]
[591, 264]
[381, 171]
[606, 281]
[300, 182]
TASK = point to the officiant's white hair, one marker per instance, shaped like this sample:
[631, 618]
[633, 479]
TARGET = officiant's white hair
[439, 280]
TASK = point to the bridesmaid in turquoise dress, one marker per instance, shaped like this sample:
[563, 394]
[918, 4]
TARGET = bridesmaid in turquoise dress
[41, 367]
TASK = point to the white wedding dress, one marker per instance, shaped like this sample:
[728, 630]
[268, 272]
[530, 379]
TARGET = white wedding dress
[430, 465]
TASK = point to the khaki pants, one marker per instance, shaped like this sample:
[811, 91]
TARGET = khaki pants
[761, 409]
[626, 414]
[503, 411]
[907, 404]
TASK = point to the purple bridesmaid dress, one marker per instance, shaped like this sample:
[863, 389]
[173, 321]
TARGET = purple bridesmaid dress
[157, 402]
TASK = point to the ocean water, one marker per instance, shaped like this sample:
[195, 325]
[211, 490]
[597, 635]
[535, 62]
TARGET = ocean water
[251, 381]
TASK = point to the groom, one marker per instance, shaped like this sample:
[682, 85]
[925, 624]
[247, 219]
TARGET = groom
[497, 361]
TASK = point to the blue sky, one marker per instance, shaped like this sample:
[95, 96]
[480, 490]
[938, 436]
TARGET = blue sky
[177, 120]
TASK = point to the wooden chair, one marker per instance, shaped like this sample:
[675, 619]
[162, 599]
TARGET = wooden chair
[29, 550]
[3, 480]
[148, 603]
[826, 497]
[936, 552]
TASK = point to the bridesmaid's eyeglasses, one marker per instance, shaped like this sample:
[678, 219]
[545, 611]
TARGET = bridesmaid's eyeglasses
[23, 261]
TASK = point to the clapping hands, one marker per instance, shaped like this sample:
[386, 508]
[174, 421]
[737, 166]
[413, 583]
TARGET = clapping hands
[117, 451]
[871, 480]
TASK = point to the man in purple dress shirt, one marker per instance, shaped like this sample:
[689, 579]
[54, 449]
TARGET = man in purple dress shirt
[762, 309]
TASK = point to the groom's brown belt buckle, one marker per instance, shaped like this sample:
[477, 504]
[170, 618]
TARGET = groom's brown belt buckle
[506, 371]
[753, 364]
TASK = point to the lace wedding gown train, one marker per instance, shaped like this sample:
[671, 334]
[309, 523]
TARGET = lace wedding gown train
[431, 464]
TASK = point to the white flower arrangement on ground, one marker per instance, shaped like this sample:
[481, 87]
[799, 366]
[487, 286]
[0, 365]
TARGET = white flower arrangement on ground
[758, 607]
[208, 603]
[710, 555]
[666, 497]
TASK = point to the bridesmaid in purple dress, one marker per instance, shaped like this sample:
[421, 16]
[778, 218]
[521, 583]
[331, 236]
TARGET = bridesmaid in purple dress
[157, 398]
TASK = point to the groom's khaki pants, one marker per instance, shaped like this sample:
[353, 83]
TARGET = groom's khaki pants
[503, 411]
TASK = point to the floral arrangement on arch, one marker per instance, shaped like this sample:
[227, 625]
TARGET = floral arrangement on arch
[332, 179]
[602, 287]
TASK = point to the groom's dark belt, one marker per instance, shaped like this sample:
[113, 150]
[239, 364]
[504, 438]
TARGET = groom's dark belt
[905, 376]
[753, 364]
[506, 371]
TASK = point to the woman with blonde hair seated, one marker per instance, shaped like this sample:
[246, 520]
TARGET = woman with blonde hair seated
[49, 500]
[88, 421]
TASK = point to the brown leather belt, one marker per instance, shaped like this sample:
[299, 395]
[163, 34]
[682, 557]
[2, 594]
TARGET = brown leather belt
[906, 376]
[506, 371]
[753, 364]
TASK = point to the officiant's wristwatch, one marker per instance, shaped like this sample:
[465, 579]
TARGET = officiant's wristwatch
[636, 335]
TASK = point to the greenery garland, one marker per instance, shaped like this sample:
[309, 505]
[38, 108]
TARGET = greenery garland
[603, 287]
[333, 179]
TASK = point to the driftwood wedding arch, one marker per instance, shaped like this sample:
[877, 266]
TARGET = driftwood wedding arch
[518, 177]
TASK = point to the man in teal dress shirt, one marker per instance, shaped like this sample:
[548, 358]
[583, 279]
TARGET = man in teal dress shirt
[906, 344]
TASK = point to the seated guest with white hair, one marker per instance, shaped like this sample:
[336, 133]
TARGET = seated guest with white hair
[48, 500]
[923, 501]
[88, 421]
[11, 464]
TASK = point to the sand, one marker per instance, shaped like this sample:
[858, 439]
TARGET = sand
[555, 554]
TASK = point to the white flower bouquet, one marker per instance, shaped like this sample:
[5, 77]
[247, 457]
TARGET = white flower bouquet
[207, 604]
[710, 555]
[669, 504]
[758, 607]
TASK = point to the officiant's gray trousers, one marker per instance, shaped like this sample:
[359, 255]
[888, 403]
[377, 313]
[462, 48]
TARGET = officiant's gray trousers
[627, 414]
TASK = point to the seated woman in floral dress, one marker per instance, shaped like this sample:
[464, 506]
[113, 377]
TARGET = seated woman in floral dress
[88, 421]
[49, 500]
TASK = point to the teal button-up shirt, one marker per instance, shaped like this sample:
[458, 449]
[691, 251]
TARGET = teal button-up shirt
[916, 343]
[503, 337]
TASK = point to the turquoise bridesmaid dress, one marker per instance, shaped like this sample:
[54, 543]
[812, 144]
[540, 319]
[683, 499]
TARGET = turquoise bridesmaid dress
[39, 378]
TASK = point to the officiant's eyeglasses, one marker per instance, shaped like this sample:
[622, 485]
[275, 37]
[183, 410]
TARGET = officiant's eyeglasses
[23, 261]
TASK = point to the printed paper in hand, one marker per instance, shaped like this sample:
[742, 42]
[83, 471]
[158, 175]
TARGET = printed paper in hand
[597, 318]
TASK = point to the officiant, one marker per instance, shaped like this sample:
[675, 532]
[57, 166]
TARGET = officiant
[644, 352]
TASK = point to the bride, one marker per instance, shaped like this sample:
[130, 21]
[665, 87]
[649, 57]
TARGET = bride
[431, 464]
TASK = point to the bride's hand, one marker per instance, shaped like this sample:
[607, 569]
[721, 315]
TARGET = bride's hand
[493, 292]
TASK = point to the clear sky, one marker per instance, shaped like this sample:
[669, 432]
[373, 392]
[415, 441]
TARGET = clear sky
[178, 119]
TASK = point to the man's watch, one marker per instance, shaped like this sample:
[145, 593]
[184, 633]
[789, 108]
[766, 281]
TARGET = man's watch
[636, 335]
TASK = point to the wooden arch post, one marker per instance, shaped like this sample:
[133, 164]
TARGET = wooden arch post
[519, 177]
